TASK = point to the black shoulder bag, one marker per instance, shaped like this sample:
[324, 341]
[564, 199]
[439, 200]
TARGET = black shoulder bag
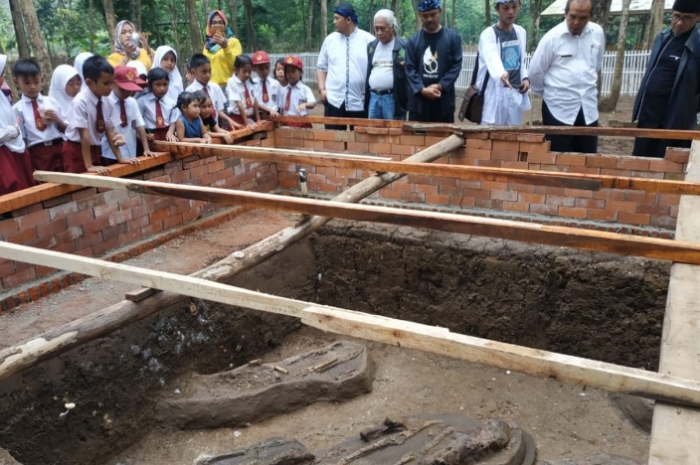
[472, 107]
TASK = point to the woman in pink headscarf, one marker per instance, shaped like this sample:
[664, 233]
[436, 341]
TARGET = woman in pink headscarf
[221, 48]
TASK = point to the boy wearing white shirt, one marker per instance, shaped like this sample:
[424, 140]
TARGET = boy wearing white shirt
[41, 119]
[200, 68]
[266, 89]
[126, 118]
[502, 52]
[242, 103]
[298, 99]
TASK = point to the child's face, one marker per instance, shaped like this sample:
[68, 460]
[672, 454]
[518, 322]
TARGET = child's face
[293, 74]
[244, 72]
[206, 109]
[159, 87]
[192, 110]
[121, 93]
[73, 86]
[169, 62]
[203, 73]
[279, 73]
[103, 86]
[29, 85]
[263, 71]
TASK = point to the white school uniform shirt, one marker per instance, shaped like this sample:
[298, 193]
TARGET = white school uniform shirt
[147, 107]
[133, 121]
[502, 106]
[83, 114]
[236, 93]
[273, 90]
[218, 99]
[564, 69]
[27, 123]
[299, 91]
[344, 59]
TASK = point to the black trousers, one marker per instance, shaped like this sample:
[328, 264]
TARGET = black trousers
[334, 112]
[432, 117]
[644, 147]
[581, 144]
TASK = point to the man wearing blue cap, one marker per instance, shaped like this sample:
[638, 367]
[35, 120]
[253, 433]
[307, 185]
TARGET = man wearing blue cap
[342, 67]
[502, 52]
[669, 96]
[433, 64]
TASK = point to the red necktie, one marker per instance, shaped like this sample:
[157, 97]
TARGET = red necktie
[248, 100]
[100, 120]
[288, 100]
[37, 117]
[206, 91]
[160, 122]
[122, 110]
[266, 98]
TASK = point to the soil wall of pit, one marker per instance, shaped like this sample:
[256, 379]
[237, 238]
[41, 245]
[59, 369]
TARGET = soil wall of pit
[114, 381]
[599, 306]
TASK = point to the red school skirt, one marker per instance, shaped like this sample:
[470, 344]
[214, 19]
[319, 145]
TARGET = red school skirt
[73, 157]
[15, 171]
[47, 156]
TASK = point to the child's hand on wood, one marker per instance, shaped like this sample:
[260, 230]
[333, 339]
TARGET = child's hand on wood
[170, 137]
[228, 138]
[98, 169]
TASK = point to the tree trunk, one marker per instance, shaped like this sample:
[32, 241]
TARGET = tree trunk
[137, 16]
[20, 31]
[205, 4]
[655, 24]
[249, 26]
[309, 27]
[195, 31]
[91, 21]
[37, 40]
[610, 102]
[173, 22]
[535, 10]
[233, 15]
[601, 12]
[110, 20]
[385, 4]
[324, 19]
[419, 25]
[487, 10]
[454, 13]
[395, 8]
[371, 17]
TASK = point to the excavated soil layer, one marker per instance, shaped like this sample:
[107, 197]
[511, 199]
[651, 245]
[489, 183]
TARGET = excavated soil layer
[604, 307]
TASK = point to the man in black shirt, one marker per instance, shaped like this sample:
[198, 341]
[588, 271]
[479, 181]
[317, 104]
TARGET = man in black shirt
[669, 97]
[433, 64]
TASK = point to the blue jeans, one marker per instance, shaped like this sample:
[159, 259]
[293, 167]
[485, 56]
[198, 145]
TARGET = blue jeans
[381, 106]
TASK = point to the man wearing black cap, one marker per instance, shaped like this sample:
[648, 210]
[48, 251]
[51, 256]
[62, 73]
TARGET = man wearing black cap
[669, 96]
[433, 64]
[342, 67]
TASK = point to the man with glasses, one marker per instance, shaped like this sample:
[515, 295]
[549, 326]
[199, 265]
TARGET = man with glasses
[669, 96]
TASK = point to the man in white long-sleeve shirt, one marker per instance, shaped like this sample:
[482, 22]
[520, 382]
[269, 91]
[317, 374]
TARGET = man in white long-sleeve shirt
[502, 58]
[564, 70]
[342, 67]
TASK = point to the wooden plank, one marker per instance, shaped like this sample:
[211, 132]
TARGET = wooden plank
[109, 319]
[405, 334]
[377, 123]
[564, 368]
[140, 294]
[560, 130]
[675, 433]
[599, 241]
[592, 182]
[36, 194]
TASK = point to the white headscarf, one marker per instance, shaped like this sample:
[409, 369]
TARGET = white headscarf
[78, 65]
[175, 87]
[61, 75]
[8, 117]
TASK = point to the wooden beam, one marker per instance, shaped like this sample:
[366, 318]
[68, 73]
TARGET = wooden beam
[559, 130]
[565, 368]
[377, 123]
[675, 433]
[109, 319]
[405, 334]
[581, 181]
[599, 241]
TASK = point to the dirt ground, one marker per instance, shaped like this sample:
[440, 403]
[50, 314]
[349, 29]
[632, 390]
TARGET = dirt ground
[566, 421]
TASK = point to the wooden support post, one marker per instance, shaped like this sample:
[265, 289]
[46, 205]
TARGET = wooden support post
[599, 241]
[405, 334]
[110, 319]
[675, 432]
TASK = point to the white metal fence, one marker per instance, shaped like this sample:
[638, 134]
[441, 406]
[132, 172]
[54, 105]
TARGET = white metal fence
[632, 71]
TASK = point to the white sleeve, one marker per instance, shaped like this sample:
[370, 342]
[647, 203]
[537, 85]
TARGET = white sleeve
[491, 53]
[17, 110]
[601, 52]
[233, 95]
[523, 56]
[8, 133]
[539, 64]
[309, 95]
[322, 63]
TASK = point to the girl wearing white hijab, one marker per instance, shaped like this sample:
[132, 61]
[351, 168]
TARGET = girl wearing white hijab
[166, 58]
[78, 65]
[65, 84]
[15, 165]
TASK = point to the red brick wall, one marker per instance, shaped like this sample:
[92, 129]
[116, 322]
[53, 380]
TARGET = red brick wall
[91, 221]
[609, 209]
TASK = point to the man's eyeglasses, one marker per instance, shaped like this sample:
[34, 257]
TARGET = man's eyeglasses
[676, 18]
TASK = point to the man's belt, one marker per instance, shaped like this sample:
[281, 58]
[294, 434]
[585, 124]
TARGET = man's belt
[382, 92]
[48, 143]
